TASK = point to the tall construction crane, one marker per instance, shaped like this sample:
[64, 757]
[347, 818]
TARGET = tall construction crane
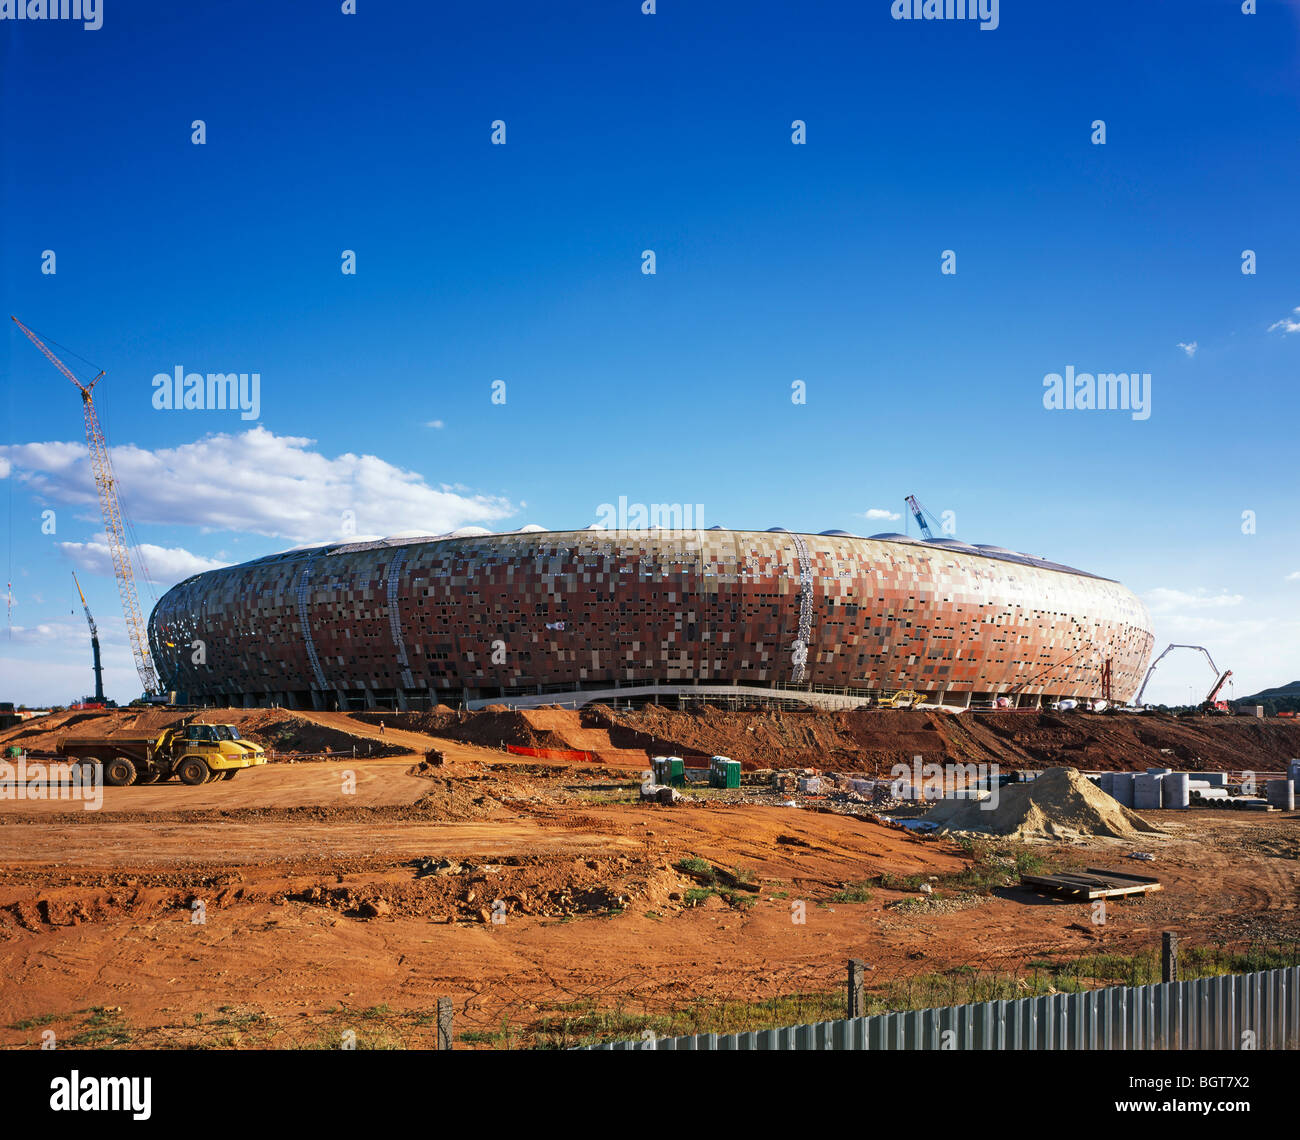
[919, 513]
[111, 508]
[94, 644]
[1211, 704]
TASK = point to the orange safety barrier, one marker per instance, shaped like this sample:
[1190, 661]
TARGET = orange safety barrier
[550, 753]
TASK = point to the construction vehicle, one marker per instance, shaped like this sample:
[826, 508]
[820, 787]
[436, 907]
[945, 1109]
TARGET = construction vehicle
[903, 699]
[94, 646]
[1211, 706]
[194, 753]
[114, 522]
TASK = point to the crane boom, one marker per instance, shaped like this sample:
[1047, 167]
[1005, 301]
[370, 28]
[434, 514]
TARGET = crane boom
[111, 508]
[1200, 649]
[1218, 687]
[919, 514]
[94, 643]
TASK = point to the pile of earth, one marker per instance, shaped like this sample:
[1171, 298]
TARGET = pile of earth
[549, 727]
[1060, 804]
[492, 727]
[871, 740]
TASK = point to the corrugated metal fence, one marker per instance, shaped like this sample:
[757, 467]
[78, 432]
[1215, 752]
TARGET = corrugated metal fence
[1235, 1011]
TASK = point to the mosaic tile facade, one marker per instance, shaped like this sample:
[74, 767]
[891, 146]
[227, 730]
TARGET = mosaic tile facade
[417, 621]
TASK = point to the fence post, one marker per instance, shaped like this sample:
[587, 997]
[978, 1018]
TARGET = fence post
[1169, 957]
[857, 1005]
[444, 1023]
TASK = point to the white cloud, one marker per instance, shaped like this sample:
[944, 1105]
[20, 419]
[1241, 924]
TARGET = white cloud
[1190, 349]
[256, 482]
[1162, 600]
[879, 513]
[1294, 576]
[1287, 324]
[166, 565]
[434, 424]
[46, 634]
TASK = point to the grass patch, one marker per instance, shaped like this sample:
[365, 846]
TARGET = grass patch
[700, 869]
[892, 882]
[853, 893]
[105, 1028]
[993, 865]
[742, 900]
[631, 795]
[37, 1021]
[582, 1023]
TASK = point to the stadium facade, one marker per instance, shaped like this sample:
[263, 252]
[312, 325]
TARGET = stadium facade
[473, 618]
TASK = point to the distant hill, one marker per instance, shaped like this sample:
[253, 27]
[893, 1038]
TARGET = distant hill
[1279, 698]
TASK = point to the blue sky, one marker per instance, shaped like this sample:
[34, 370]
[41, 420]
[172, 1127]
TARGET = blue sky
[774, 262]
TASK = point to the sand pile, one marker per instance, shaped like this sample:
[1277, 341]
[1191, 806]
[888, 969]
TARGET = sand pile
[1060, 804]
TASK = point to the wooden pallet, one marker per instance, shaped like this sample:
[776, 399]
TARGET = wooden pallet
[1094, 883]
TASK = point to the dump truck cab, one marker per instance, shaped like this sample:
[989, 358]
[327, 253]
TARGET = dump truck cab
[197, 753]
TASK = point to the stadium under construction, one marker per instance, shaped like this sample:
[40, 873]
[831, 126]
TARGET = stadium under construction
[533, 616]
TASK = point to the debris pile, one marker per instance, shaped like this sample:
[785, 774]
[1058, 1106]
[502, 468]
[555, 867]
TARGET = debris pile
[1060, 804]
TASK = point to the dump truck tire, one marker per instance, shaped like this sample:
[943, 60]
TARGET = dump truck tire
[213, 777]
[85, 767]
[118, 772]
[230, 773]
[193, 771]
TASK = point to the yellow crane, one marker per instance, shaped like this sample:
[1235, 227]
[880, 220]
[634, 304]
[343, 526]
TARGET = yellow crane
[111, 507]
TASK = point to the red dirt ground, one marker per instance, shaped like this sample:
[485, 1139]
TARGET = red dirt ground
[321, 908]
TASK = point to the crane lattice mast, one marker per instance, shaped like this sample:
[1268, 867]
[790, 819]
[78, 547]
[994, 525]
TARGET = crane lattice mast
[111, 508]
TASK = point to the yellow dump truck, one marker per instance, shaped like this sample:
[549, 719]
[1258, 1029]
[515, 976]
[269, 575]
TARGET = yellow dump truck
[194, 753]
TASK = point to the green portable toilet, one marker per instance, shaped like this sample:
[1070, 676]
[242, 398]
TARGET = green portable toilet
[732, 774]
[676, 771]
[659, 764]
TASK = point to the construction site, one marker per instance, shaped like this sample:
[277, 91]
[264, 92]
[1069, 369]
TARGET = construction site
[559, 789]
[524, 867]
